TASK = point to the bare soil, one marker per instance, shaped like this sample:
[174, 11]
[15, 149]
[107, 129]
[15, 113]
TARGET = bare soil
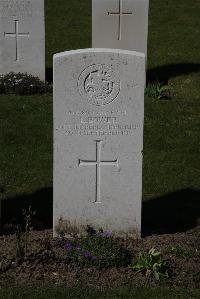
[46, 264]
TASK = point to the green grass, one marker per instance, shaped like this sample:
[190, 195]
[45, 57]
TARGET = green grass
[171, 147]
[26, 136]
[180, 251]
[68, 26]
[171, 150]
[171, 135]
[173, 32]
[124, 293]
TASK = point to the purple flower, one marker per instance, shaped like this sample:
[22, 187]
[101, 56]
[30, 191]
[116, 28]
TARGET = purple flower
[78, 247]
[68, 246]
[107, 233]
[93, 257]
[89, 255]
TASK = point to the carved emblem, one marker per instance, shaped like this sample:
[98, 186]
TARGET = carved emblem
[97, 83]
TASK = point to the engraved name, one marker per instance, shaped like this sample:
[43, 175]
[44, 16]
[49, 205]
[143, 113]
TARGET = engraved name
[98, 123]
[98, 119]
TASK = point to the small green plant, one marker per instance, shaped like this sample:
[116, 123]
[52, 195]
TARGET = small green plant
[22, 234]
[157, 91]
[28, 215]
[97, 249]
[22, 84]
[46, 243]
[179, 251]
[4, 264]
[151, 263]
[64, 228]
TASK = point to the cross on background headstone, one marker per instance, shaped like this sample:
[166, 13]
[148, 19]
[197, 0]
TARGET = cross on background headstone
[120, 15]
[16, 35]
[120, 24]
[98, 163]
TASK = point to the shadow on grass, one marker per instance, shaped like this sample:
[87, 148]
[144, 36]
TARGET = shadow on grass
[49, 74]
[166, 72]
[172, 213]
[41, 202]
[161, 74]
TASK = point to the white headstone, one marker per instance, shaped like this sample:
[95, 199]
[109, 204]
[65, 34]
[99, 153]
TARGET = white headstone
[120, 24]
[98, 139]
[22, 37]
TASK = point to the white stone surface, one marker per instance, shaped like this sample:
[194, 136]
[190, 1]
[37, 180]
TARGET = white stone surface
[22, 37]
[120, 24]
[98, 139]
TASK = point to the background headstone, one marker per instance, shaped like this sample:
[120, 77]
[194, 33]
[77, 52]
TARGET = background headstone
[22, 37]
[120, 24]
[98, 140]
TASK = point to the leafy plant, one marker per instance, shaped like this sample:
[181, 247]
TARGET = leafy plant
[22, 84]
[5, 264]
[179, 251]
[157, 91]
[151, 263]
[98, 249]
[46, 243]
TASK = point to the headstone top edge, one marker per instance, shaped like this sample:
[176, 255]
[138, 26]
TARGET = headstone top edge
[98, 50]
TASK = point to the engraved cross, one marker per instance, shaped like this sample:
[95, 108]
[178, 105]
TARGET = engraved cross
[120, 15]
[16, 35]
[98, 163]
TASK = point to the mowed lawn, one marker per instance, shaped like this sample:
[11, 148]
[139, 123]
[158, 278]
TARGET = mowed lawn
[171, 135]
[80, 293]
